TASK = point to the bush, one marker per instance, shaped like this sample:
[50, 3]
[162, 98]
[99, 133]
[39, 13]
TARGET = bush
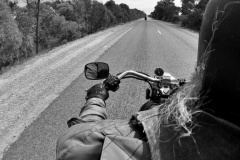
[185, 21]
[10, 37]
[175, 18]
[69, 31]
[28, 47]
[53, 42]
[25, 21]
[56, 25]
[193, 20]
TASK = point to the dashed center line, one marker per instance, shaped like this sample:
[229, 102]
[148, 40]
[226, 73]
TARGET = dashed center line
[159, 32]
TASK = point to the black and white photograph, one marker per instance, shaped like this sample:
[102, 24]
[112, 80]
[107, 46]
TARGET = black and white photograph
[119, 79]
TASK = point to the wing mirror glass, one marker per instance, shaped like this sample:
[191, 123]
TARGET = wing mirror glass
[96, 70]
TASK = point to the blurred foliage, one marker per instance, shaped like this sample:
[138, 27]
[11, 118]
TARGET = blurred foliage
[101, 18]
[175, 18]
[191, 12]
[69, 31]
[59, 22]
[66, 9]
[193, 18]
[116, 10]
[10, 37]
[165, 10]
[187, 6]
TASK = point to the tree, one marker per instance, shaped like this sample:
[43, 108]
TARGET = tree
[62, 31]
[69, 31]
[187, 6]
[165, 10]
[25, 21]
[193, 14]
[79, 9]
[159, 10]
[126, 12]
[125, 7]
[10, 36]
[100, 16]
[202, 5]
[111, 5]
[26, 24]
[46, 17]
[115, 9]
[12, 4]
[136, 14]
[39, 26]
[35, 6]
[66, 9]
[87, 12]
[170, 11]
[56, 25]
[52, 4]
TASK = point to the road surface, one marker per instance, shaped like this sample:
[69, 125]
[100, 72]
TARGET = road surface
[38, 97]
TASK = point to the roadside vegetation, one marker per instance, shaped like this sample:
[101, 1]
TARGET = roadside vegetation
[36, 27]
[189, 15]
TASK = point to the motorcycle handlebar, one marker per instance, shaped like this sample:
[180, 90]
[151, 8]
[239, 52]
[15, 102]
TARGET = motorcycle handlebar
[145, 77]
[140, 75]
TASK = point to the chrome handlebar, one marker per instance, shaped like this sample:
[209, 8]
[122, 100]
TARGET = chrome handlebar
[148, 78]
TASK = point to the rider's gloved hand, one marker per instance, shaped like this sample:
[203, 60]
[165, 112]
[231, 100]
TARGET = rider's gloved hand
[97, 91]
[112, 83]
[181, 81]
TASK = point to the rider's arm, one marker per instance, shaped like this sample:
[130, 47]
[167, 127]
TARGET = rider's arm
[95, 107]
[82, 140]
[93, 110]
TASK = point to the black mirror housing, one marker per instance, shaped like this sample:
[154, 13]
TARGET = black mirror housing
[96, 70]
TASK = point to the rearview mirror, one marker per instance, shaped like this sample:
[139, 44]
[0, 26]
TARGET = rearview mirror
[96, 70]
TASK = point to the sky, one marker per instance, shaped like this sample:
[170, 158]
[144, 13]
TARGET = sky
[144, 5]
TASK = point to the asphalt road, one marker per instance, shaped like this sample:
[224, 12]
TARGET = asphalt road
[150, 44]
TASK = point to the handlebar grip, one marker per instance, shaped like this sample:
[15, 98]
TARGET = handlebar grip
[112, 83]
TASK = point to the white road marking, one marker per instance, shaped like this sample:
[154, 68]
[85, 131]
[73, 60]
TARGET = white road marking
[159, 32]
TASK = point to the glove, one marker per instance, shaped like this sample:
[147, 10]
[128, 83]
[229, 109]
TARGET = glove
[97, 91]
[181, 81]
[112, 83]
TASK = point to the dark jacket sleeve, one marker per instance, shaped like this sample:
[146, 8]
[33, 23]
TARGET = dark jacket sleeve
[94, 138]
[82, 140]
[93, 110]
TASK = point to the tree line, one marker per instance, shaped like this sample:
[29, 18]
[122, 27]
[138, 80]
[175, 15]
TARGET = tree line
[191, 12]
[26, 31]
